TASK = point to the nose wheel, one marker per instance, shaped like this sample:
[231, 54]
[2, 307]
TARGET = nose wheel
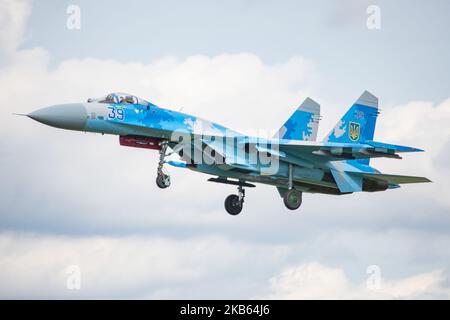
[163, 180]
[162, 177]
[234, 203]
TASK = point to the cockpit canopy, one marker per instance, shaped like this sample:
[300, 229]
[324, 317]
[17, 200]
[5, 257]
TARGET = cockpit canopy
[122, 98]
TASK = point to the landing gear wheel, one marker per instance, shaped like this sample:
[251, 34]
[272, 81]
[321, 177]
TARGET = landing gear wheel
[233, 204]
[292, 199]
[163, 180]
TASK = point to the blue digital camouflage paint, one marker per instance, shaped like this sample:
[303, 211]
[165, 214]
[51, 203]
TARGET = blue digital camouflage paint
[303, 123]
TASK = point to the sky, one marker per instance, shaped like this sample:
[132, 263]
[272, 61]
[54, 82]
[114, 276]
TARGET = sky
[81, 216]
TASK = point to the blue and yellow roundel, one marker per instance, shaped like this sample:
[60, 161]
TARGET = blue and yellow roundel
[354, 131]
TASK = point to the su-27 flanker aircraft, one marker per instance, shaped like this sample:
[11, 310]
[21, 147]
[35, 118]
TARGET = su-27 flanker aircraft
[292, 161]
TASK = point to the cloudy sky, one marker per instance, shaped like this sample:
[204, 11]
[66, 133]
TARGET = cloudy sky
[79, 206]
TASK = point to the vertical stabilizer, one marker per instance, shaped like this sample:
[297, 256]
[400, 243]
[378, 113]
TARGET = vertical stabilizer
[358, 124]
[303, 123]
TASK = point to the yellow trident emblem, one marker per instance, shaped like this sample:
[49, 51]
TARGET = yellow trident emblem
[354, 131]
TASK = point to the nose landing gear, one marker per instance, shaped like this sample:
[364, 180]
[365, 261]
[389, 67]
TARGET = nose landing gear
[162, 177]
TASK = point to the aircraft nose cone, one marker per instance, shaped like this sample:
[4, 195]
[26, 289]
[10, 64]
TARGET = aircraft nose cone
[71, 116]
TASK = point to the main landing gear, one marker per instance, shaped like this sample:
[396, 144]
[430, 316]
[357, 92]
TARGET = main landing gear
[234, 203]
[292, 198]
[162, 177]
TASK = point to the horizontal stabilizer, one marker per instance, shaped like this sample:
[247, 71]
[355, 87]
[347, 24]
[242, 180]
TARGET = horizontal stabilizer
[395, 179]
[386, 147]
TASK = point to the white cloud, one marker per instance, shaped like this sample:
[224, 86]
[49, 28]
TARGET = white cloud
[237, 89]
[13, 17]
[423, 125]
[35, 266]
[316, 281]
[132, 267]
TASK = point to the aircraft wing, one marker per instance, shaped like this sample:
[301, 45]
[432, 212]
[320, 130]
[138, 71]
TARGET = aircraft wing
[348, 181]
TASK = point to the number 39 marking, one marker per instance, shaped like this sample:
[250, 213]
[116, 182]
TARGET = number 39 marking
[116, 113]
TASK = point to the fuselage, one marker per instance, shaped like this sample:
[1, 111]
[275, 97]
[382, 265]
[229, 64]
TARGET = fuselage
[292, 160]
[148, 120]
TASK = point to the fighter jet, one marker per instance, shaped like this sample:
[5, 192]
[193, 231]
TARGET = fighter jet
[292, 160]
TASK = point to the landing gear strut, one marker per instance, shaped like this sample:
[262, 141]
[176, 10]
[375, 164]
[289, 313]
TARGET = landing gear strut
[234, 203]
[162, 177]
[292, 198]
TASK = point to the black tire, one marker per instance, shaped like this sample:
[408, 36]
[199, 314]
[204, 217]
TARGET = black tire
[292, 199]
[160, 181]
[233, 205]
